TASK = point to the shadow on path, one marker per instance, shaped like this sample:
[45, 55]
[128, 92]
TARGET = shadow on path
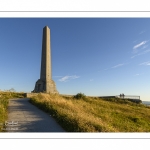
[25, 117]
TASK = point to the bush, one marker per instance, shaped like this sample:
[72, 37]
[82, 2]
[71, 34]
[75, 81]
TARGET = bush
[80, 96]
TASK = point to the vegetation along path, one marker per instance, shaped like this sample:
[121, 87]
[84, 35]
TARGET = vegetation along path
[25, 117]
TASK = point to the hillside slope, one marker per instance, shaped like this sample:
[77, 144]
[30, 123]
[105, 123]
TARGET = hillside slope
[95, 114]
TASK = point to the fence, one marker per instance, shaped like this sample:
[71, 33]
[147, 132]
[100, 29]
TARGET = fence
[128, 96]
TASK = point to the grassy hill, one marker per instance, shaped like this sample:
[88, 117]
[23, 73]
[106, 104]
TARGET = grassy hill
[87, 114]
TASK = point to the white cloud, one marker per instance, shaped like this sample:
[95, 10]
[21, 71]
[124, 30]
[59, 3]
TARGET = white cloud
[142, 32]
[119, 65]
[134, 56]
[139, 45]
[145, 46]
[57, 76]
[138, 74]
[91, 80]
[145, 51]
[145, 63]
[142, 53]
[67, 78]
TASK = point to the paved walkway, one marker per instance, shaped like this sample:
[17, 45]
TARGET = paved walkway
[25, 117]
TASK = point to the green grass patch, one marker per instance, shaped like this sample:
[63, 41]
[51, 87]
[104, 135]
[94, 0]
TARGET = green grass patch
[85, 114]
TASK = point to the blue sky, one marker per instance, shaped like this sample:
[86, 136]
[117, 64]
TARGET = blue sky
[95, 56]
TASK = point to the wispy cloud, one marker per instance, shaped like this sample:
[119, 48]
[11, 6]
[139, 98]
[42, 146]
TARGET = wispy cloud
[134, 56]
[91, 80]
[142, 53]
[142, 32]
[57, 76]
[119, 65]
[67, 78]
[139, 45]
[145, 46]
[138, 74]
[145, 63]
[146, 51]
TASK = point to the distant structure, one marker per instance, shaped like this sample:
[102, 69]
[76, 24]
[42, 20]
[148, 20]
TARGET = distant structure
[45, 83]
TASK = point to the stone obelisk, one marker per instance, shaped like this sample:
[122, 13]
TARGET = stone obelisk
[45, 83]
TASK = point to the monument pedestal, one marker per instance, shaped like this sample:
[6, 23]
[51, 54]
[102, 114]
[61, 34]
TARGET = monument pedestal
[51, 87]
[45, 86]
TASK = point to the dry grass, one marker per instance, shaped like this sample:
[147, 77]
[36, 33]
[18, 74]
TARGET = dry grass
[95, 114]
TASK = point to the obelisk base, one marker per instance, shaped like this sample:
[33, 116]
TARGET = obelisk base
[51, 87]
[45, 87]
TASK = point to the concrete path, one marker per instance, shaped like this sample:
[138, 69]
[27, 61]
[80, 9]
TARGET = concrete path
[25, 117]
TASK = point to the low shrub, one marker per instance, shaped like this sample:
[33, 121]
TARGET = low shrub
[79, 96]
